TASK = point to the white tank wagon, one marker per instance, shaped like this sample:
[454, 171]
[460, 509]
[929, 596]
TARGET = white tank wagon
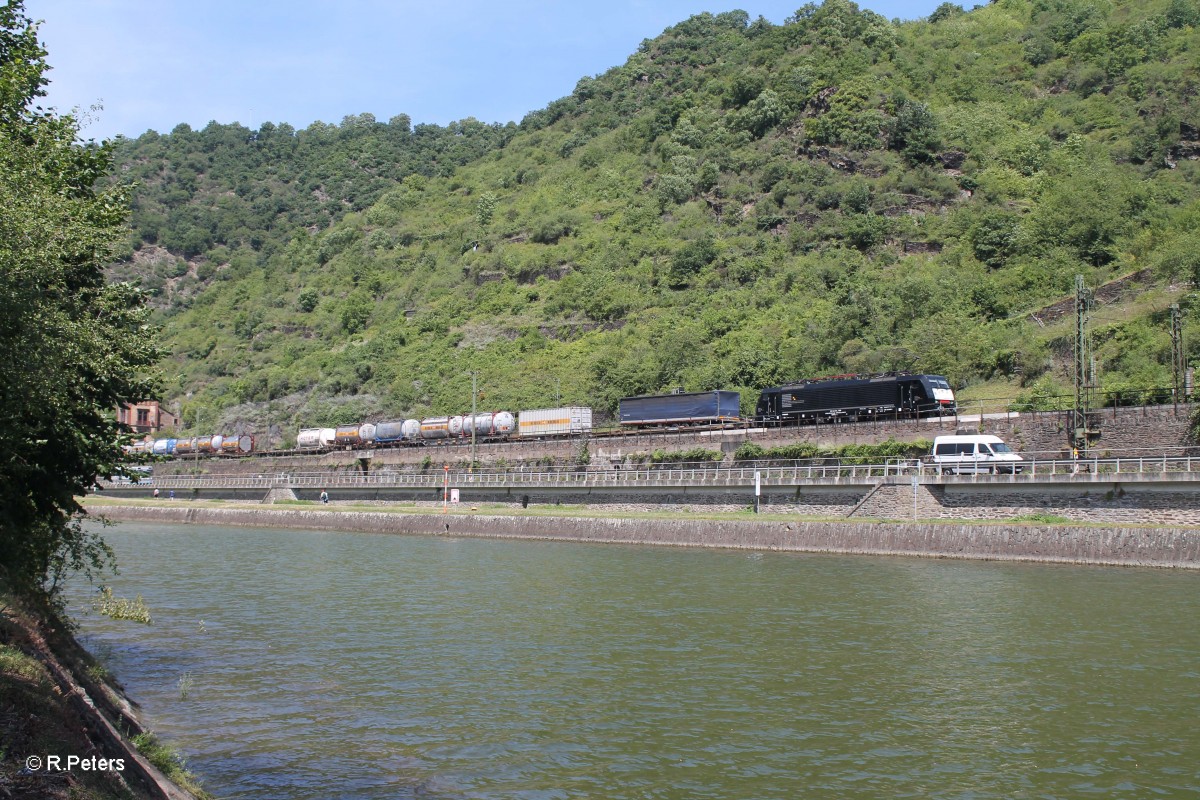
[489, 423]
[309, 439]
[566, 421]
[367, 432]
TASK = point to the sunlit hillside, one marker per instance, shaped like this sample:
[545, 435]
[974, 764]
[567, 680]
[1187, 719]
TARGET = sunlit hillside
[737, 205]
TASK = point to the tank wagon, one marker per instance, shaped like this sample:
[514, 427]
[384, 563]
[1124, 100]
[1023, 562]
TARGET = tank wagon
[216, 444]
[681, 408]
[854, 396]
[488, 425]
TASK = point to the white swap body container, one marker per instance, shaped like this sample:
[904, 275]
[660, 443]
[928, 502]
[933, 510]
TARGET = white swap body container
[554, 421]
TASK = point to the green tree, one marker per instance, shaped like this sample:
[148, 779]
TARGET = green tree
[485, 209]
[72, 347]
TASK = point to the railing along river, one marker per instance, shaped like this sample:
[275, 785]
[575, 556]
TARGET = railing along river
[706, 474]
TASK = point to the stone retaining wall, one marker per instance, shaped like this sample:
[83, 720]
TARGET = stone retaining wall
[1102, 503]
[1159, 547]
[1128, 431]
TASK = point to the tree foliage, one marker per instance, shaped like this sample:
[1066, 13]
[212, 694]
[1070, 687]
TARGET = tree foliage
[71, 346]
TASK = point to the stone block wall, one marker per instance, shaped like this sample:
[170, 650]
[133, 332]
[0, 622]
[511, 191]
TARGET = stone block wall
[1125, 432]
[1163, 547]
[1096, 503]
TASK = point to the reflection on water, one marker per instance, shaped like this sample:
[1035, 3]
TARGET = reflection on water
[366, 666]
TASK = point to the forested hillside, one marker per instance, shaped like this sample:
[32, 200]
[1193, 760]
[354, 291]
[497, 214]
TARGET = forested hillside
[737, 205]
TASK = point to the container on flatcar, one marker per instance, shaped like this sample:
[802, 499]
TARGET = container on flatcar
[435, 428]
[683, 408]
[328, 437]
[392, 431]
[159, 447]
[367, 432]
[565, 421]
[346, 435]
[456, 426]
[204, 444]
[217, 441]
[412, 430]
[489, 423]
[308, 439]
[235, 445]
[185, 447]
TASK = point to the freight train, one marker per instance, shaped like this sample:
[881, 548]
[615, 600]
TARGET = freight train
[832, 399]
[837, 398]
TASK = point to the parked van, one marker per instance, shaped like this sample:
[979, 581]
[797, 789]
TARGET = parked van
[974, 453]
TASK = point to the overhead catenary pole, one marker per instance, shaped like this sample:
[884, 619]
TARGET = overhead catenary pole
[1178, 359]
[474, 394]
[1084, 383]
[267, 443]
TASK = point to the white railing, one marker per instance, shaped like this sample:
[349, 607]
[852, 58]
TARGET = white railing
[742, 474]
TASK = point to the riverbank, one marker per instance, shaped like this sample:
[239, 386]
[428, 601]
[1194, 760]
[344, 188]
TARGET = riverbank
[1175, 547]
[68, 730]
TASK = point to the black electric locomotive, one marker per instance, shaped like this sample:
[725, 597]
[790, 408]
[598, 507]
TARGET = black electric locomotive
[857, 396]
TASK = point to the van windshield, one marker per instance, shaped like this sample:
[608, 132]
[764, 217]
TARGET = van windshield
[1001, 447]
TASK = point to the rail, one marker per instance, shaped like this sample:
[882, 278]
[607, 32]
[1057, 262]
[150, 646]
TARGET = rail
[687, 475]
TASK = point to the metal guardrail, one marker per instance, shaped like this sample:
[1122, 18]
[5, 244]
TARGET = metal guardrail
[687, 475]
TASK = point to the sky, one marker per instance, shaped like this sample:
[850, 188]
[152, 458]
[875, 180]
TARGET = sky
[128, 66]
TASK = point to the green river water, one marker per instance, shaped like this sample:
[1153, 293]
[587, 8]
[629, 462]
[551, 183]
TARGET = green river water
[297, 664]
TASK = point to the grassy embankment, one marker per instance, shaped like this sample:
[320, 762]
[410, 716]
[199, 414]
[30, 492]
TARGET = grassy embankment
[41, 668]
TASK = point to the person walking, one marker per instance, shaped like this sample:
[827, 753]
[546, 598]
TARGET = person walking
[324, 497]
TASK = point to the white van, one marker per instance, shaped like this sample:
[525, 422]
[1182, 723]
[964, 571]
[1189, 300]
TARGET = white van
[974, 453]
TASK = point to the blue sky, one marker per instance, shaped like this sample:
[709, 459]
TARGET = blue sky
[152, 64]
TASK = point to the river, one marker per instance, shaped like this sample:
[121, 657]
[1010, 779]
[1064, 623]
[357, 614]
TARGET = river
[300, 664]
